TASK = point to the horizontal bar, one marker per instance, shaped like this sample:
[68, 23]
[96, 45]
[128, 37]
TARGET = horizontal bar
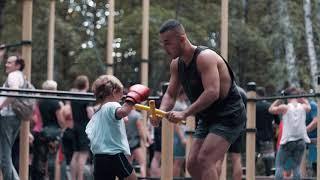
[64, 93]
[67, 98]
[24, 42]
[284, 97]
[60, 93]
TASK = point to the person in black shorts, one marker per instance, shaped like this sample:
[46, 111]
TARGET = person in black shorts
[138, 137]
[82, 111]
[209, 84]
[106, 129]
[236, 148]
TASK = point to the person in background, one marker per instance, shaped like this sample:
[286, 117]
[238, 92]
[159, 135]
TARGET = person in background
[138, 137]
[294, 135]
[179, 146]
[236, 148]
[265, 131]
[53, 127]
[9, 123]
[82, 111]
[311, 122]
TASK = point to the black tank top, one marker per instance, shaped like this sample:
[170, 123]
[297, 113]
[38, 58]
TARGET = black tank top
[225, 109]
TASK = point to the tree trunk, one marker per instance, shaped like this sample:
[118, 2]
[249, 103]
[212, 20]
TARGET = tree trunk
[290, 56]
[318, 12]
[245, 11]
[309, 37]
[2, 7]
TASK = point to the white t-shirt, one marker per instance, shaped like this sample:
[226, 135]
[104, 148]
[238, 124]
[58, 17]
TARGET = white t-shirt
[15, 80]
[294, 124]
[107, 134]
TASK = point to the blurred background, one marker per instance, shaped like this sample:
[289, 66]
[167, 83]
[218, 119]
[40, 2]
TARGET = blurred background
[271, 42]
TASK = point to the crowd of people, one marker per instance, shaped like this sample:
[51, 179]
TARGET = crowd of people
[77, 140]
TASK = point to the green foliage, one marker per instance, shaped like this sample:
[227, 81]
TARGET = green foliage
[256, 50]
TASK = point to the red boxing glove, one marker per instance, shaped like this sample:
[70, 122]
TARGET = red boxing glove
[138, 93]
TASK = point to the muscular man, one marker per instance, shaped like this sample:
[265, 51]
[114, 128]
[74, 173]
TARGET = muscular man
[208, 81]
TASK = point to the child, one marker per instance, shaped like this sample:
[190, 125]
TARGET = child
[294, 135]
[106, 129]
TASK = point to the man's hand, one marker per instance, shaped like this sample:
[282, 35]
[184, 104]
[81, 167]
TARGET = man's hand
[176, 116]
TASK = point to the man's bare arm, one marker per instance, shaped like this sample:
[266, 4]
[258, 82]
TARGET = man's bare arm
[207, 64]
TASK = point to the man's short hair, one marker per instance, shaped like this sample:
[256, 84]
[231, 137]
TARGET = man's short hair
[171, 24]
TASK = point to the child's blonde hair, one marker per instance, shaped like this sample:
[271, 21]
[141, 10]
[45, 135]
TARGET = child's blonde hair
[105, 85]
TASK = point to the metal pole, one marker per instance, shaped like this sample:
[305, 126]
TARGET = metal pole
[26, 55]
[110, 36]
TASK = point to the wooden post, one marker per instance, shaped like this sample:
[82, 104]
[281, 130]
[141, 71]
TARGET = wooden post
[190, 130]
[110, 36]
[166, 146]
[145, 42]
[51, 31]
[224, 28]
[251, 132]
[167, 150]
[224, 54]
[144, 57]
[318, 130]
[26, 55]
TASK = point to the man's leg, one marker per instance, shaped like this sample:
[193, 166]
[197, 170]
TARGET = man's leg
[73, 165]
[192, 162]
[141, 158]
[155, 169]
[212, 150]
[82, 159]
[236, 166]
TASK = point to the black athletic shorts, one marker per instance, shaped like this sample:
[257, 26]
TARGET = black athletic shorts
[134, 147]
[236, 146]
[111, 166]
[81, 141]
